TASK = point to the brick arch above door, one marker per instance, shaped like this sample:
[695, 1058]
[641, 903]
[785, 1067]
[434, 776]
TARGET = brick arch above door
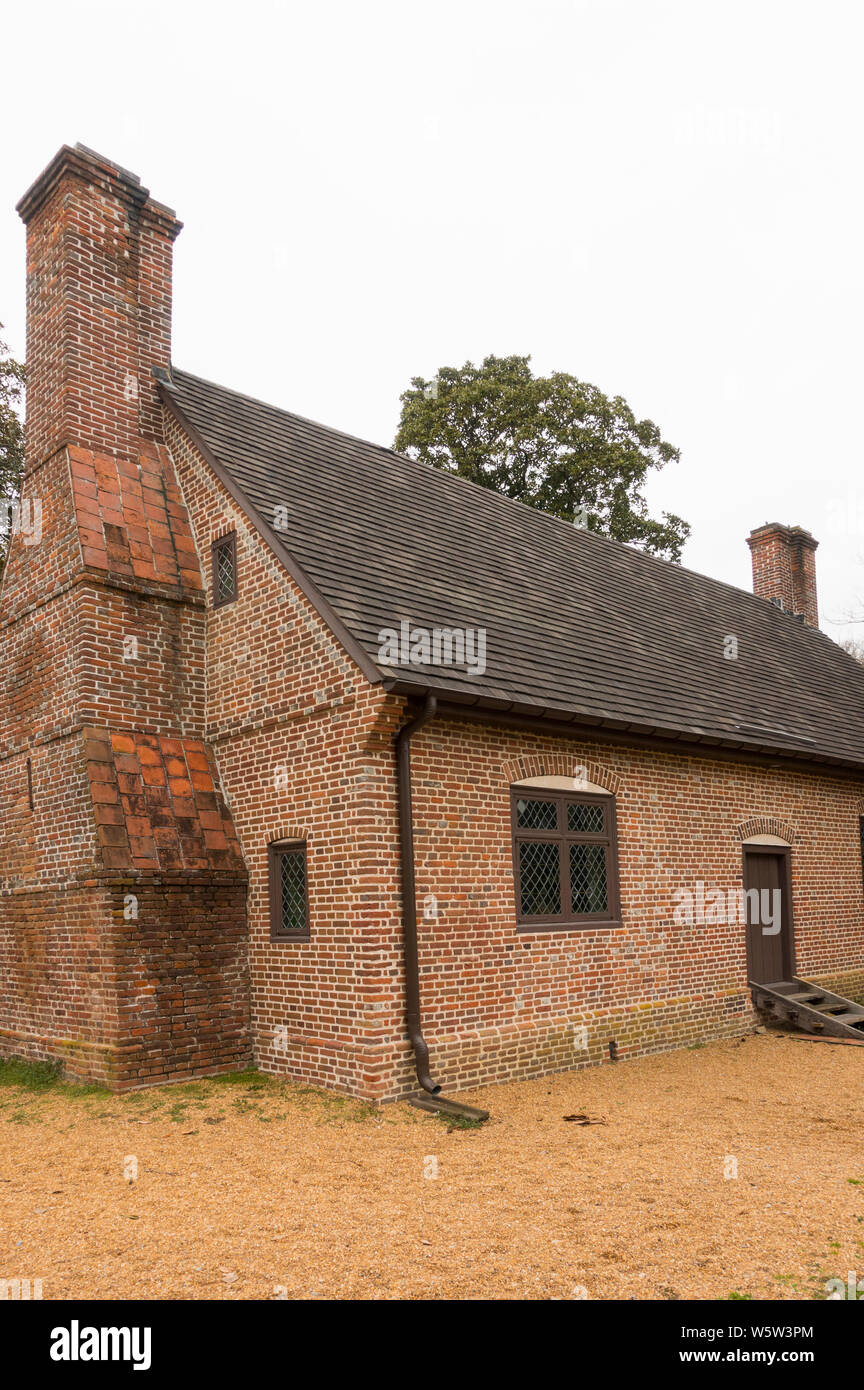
[766, 825]
[560, 765]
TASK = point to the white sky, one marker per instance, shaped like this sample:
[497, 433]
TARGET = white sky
[663, 197]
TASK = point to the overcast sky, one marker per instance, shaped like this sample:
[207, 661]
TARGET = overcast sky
[663, 197]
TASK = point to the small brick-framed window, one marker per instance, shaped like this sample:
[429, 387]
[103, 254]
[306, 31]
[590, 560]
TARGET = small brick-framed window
[225, 570]
[565, 858]
[289, 890]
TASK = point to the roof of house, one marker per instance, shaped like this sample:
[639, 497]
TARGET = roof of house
[578, 627]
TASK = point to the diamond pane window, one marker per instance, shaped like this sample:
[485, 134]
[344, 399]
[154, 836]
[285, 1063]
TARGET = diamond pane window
[539, 878]
[224, 570]
[565, 858]
[292, 883]
[588, 878]
[289, 902]
[585, 816]
[537, 815]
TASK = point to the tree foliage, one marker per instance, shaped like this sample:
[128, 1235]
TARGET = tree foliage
[553, 442]
[11, 440]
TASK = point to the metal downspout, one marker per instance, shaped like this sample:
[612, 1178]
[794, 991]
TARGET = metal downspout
[409, 894]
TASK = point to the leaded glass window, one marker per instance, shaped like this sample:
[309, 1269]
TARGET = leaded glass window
[582, 816]
[565, 858]
[289, 898]
[536, 815]
[224, 570]
[588, 878]
[540, 877]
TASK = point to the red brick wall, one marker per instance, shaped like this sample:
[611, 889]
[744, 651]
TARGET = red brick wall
[127, 1001]
[181, 977]
[162, 673]
[498, 1002]
[58, 1001]
[305, 748]
[29, 579]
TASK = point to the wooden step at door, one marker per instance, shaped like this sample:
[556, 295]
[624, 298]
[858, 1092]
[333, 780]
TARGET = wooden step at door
[809, 1008]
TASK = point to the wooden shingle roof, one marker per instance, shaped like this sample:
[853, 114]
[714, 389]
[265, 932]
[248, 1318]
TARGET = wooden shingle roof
[578, 627]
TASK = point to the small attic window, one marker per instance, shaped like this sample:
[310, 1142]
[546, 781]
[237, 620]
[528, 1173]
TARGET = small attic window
[225, 570]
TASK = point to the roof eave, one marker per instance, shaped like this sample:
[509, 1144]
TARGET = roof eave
[597, 728]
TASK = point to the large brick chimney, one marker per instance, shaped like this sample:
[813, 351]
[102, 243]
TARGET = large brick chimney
[123, 947]
[784, 568]
[99, 253]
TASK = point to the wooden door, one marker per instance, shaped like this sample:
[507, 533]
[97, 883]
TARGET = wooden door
[770, 954]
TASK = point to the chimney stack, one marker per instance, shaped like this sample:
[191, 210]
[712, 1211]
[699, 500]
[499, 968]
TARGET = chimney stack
[784, 568]
[99, 253]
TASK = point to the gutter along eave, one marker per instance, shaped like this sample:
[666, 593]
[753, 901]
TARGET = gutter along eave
[557, 723]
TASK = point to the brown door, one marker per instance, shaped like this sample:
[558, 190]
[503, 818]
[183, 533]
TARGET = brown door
[770, 956]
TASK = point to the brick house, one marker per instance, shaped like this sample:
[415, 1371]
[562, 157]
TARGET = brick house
[300, 739]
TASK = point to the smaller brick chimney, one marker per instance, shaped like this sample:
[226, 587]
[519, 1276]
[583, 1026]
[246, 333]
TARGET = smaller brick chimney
[784, 568]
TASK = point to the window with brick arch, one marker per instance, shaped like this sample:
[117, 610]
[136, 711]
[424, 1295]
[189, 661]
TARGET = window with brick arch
[565, 858]
[289, 891]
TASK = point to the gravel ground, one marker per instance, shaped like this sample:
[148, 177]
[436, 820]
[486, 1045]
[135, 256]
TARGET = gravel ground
[248, 1188]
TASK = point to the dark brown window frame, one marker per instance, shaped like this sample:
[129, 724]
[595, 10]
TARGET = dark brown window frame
[567, 920]
[275, 852]
[222, 543]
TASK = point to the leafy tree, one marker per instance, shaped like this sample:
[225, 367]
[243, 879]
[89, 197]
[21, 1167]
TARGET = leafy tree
[553, 442]
[11, 440]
